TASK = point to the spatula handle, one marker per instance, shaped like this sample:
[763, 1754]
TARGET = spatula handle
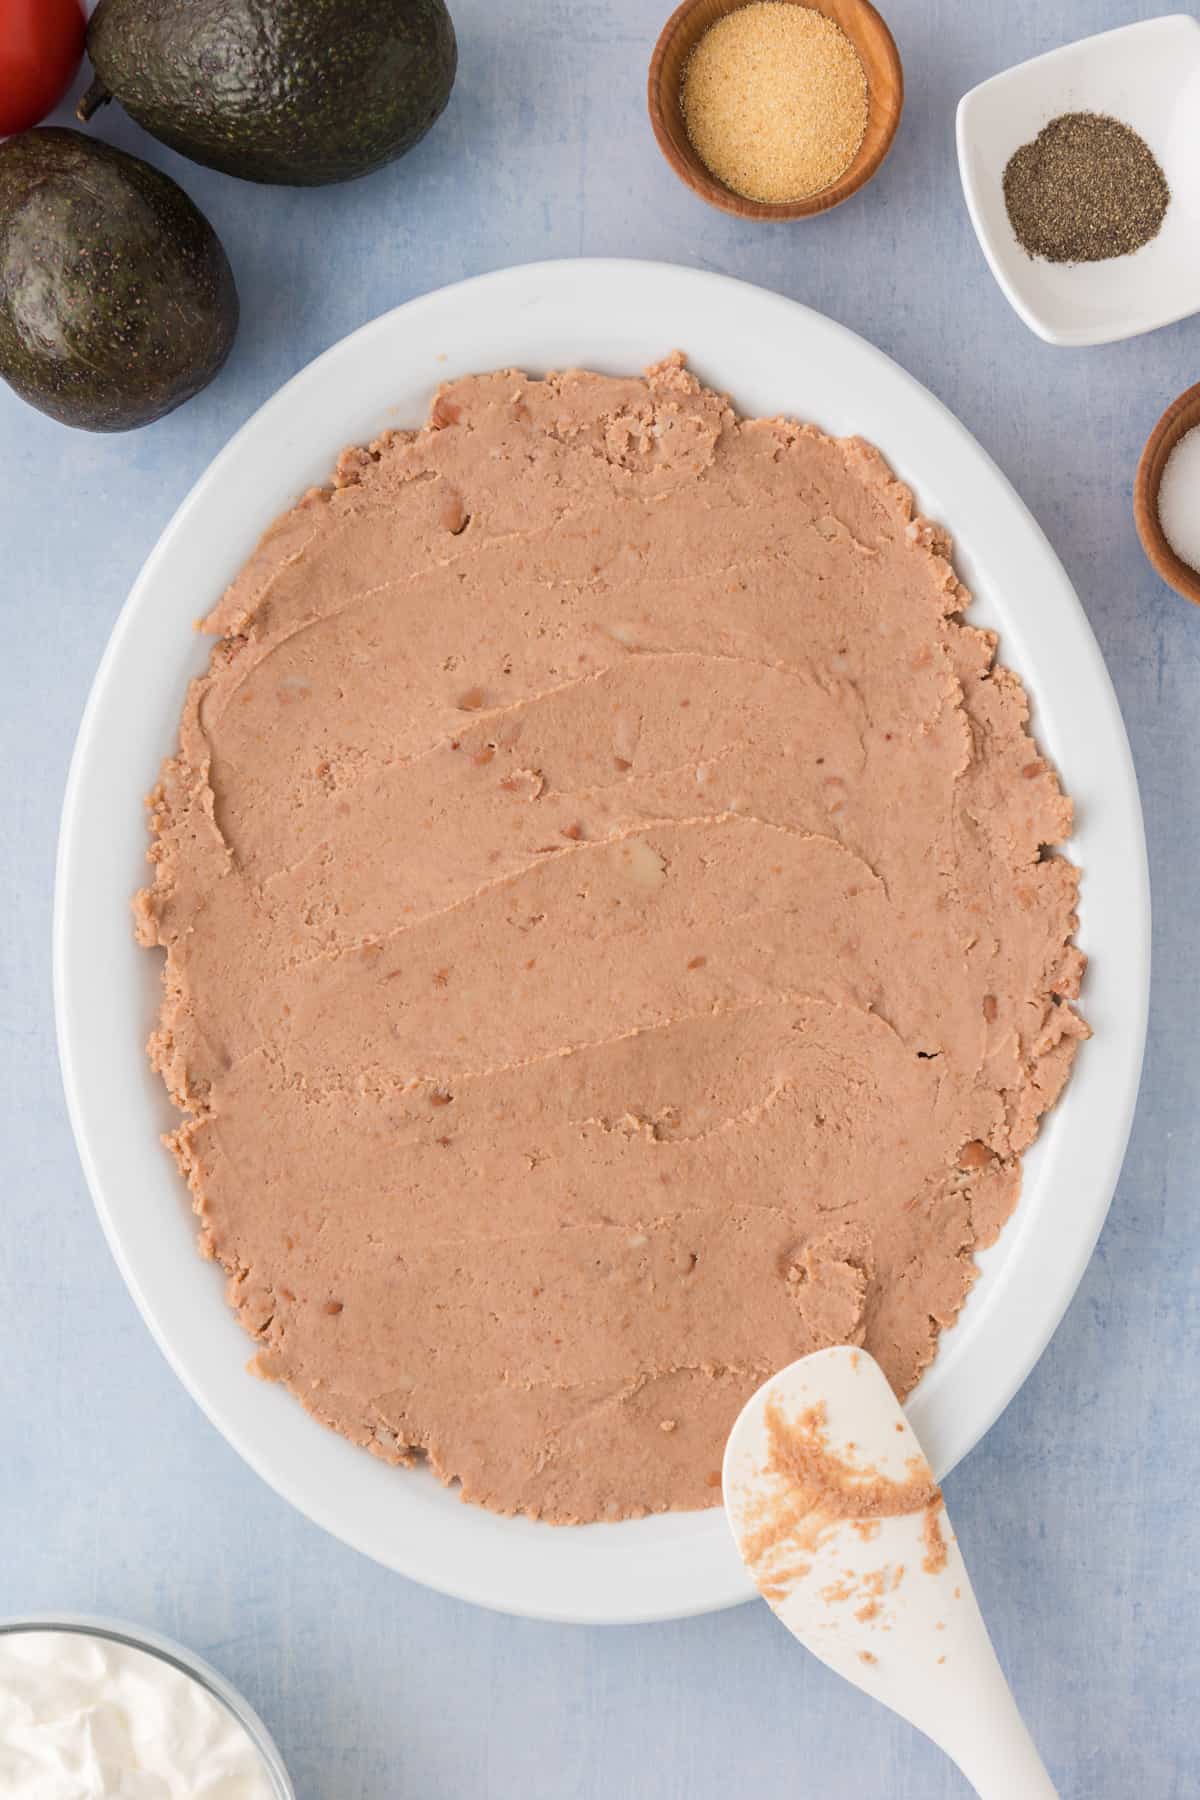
[982, 1729]
[1001, 1760]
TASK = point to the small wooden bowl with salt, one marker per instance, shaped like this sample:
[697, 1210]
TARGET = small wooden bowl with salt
[1182, 416]
[759, 140]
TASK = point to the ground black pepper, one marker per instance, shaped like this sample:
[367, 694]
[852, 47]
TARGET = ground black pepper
[1086, 188]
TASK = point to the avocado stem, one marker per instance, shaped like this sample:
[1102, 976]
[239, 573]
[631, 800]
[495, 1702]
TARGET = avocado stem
[96, 97]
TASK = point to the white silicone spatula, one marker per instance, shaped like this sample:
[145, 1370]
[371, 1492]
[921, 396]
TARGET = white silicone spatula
[833, 1507]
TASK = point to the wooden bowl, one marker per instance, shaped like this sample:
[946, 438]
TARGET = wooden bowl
[1179, 418]
[885, 100]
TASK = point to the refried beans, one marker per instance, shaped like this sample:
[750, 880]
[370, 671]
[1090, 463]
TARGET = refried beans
[611, 943]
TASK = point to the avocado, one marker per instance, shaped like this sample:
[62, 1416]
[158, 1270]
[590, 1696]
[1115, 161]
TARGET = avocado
[299, 92]
[117, 302]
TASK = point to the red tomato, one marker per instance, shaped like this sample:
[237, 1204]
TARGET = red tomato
[41, 42]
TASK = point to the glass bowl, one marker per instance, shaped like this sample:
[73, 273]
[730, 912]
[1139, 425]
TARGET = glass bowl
[136, 1637]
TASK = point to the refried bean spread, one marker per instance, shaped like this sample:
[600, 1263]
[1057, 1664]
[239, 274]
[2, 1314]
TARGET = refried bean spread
[611, 947]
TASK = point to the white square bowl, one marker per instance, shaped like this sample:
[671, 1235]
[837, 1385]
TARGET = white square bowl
[1148, 76]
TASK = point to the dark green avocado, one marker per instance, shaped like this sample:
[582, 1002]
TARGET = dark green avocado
[117, 302]
[300, 92]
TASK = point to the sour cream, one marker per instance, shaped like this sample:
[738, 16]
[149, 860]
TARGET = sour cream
[85, 1718]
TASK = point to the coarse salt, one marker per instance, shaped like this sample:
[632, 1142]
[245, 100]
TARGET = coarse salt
[1179, 499]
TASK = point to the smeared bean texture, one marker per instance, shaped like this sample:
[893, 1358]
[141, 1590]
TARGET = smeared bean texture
[611, 943]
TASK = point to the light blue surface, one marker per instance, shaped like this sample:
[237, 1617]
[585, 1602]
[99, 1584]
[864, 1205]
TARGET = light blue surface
[1078, 1513]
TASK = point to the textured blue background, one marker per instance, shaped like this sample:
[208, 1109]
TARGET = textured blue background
[1078, 1513]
